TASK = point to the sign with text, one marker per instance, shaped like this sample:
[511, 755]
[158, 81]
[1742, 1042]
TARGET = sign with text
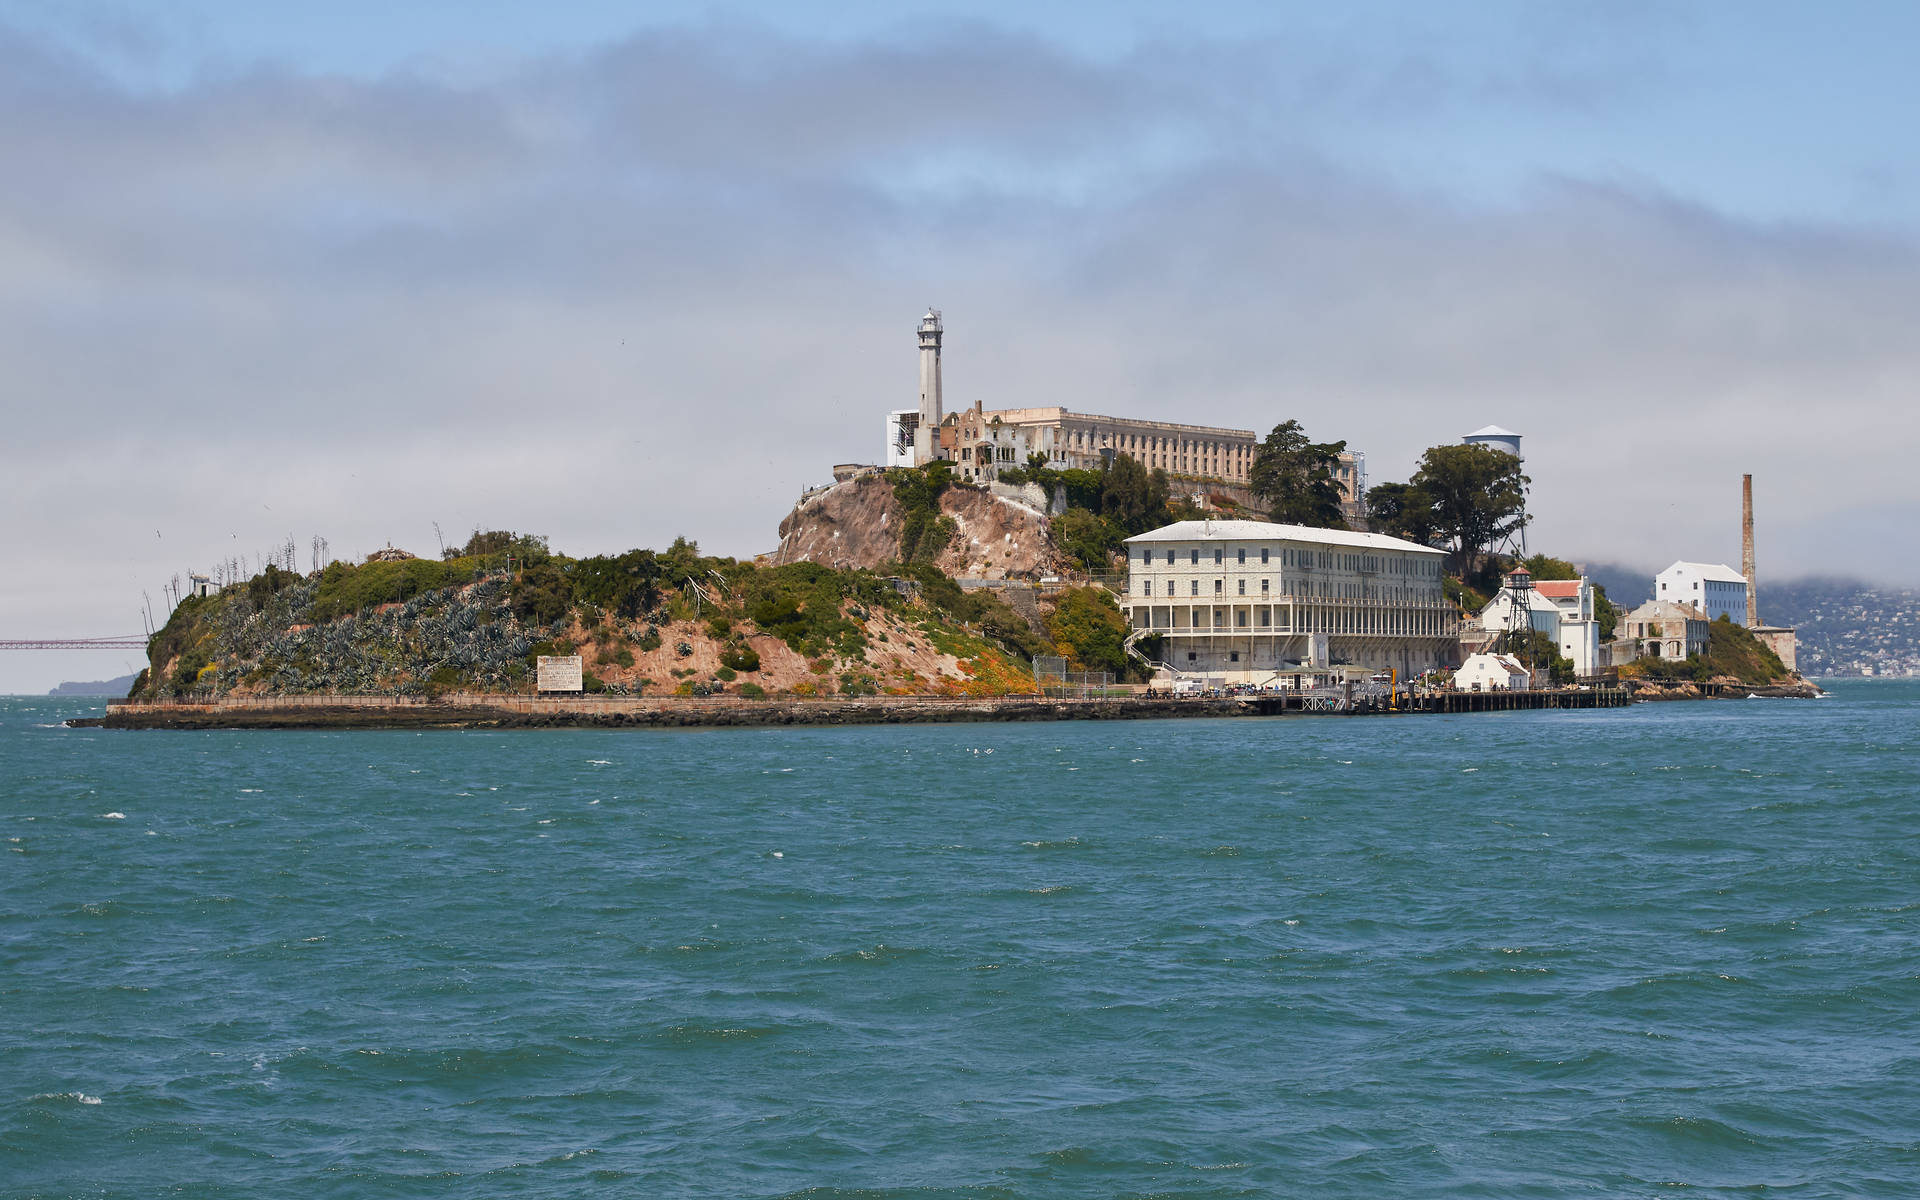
[557, 673]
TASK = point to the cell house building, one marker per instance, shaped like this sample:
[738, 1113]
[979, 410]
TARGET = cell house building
[1242, 602]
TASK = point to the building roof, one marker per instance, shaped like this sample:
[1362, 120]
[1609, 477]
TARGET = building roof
[1718, 572]
[1492, 431]
[1665, 610]
[1268, 531]
[1505, 662]
[1558, 589]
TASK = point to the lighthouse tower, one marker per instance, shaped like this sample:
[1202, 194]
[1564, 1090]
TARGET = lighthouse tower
[926, 436]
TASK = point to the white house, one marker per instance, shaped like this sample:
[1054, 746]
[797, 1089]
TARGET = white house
[1563, 609]
[1241, 601]
[1714, 588]
[1492, 673]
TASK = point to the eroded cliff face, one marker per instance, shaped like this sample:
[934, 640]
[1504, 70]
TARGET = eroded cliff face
[857, 524]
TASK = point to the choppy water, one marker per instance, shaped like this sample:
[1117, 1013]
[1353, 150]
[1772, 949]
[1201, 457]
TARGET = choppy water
[1529, 954]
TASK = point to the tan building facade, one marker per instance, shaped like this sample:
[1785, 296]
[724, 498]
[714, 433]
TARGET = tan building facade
[983, 442]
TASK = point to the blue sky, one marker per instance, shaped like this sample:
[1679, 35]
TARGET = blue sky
[335, 270]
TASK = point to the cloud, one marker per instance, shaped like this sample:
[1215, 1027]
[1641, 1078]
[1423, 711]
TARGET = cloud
[660, 287]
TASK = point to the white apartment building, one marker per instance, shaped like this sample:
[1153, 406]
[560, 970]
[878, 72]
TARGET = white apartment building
[1242, 601]
[1714, 588]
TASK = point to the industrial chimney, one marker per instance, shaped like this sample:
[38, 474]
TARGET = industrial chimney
[1746, 551]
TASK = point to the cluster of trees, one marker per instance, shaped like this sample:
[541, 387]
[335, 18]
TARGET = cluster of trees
[1468, 497]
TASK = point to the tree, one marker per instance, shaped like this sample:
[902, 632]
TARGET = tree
[1087, 537]
[1544, 567]
[1133, 498]
[1479, 497]
[1295, 477]
[1537, 650]
[1401, 510]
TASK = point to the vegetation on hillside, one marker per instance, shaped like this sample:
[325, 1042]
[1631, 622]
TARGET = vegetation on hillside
[473, 622]
[1732, 652]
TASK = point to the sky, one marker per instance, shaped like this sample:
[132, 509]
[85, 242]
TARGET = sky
[613, 273]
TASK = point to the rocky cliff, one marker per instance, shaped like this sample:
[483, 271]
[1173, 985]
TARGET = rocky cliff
[857, 524]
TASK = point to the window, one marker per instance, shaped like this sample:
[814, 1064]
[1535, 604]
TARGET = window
[1148, 585]
[1219, 587]
[1169, 557]
[1243, 556]
[1233, 656]
[1263, 555]
[1219, 556]
[1196, 588]
[1264, 586]
[1146, 558]
[1243, 587]
[1191, 656]
[1194, 556]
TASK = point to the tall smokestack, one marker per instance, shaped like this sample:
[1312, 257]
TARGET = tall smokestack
[1746, 550]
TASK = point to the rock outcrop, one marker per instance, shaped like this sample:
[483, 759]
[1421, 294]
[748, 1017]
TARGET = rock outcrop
[857, 524]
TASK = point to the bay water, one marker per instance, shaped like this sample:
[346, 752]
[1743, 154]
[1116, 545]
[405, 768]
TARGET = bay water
[1673, 949]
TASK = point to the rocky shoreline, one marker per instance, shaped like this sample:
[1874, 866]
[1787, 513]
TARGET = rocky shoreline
[485, 711]
[1725, 689]
[510, 712]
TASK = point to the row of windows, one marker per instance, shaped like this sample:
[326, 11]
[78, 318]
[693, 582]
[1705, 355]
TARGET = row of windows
[1304, 558]
[1219, 587]
[1279, 619]
[1304, 588]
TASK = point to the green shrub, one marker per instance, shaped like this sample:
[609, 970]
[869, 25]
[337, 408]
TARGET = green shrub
[740, 658]
[345, 589]
[753, 691]
[858, 683]
[628, 584]
[540, 595]
[725, 675]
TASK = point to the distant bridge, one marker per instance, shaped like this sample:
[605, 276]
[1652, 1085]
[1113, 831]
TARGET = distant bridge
[129, 642]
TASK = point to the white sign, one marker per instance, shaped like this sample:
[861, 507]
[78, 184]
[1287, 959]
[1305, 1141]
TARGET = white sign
[558, 673]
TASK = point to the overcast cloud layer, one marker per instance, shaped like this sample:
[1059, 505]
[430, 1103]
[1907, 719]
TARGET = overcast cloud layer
[661, 287]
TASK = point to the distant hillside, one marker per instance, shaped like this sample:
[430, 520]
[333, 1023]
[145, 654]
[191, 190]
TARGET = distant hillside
[1847, 627]
[99, 687]
[1628, 587]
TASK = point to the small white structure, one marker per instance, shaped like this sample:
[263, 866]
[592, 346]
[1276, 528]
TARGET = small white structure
[558, 673]
[903, 425]
[1492, 673]
[200, 585]
[1714, 588]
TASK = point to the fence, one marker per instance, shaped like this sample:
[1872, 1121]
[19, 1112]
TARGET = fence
[1050, 674]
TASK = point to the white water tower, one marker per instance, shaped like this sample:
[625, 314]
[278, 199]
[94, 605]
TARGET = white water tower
[1495, 438]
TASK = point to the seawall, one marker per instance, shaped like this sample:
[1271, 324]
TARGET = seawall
[478, 711]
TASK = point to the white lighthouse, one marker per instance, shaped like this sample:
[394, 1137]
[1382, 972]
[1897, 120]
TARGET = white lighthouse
[926, 436]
